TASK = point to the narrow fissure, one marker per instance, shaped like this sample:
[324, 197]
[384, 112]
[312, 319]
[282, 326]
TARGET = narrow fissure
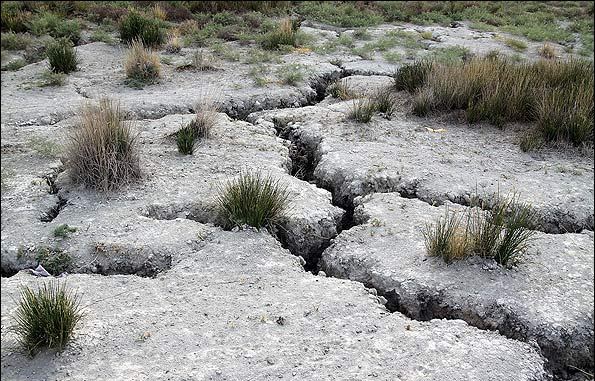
[54, 211]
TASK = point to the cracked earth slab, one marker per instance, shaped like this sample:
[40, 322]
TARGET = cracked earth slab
[437, 160]
[547, 298]
[177, 92]
[109, 226]
[239, 307]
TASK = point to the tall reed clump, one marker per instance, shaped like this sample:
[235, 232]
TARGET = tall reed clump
[555, 96]
[46, 317]
[141, 65]
[103, 150]
[253, 199]
[502, 233]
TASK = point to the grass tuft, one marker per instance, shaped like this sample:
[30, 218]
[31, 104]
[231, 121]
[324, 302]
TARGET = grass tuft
[547, 51]
[103, 152]
[283, 35]
[253, 199]
[340, 90]
[142, 65]
[362, 110]
[185, 139]
[62, 56]
[502, 233]
[385, 102]
[516, 45]
[46, 317]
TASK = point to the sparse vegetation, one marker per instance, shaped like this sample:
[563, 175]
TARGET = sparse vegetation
[502, 233]
[142, 65]
[15, 65]
[53, 24]
[253, 199]
[515, 44]
[15, 41]
[49, 78]
[44, 147]
[46, 317]
[291, 74]
[63, 230]
[62, 56]
[102, 151]
[201, 61]
[199, 128]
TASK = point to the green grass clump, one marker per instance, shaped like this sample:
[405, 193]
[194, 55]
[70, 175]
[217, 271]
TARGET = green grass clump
[135, 26]
[46, 317]
[185, 139]
[15, 41]
[340, 90]
[447, 238]
[14, 18]
[385, 102]
[517, 45]
[103, 151]
[362, 110]
[502, 233]
[63, 230]
[50, 79]
[253, 199]
[62, 56]
[412, 76]
[282, 35]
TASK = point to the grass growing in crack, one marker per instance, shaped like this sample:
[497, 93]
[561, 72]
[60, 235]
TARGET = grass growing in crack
[199, 128]
[141, 65]
[46, 317]
[340, 90]
[253, 199]
[54, 260]
[200, 61]
[102, 151]
[362, 110]
[412, 76]
[447, 238]
[63, 230]
[502, 233]
[62, 56]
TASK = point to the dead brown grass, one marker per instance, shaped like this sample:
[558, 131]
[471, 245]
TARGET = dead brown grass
[142, 64]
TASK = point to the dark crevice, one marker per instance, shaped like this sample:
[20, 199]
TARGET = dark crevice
[52, 213]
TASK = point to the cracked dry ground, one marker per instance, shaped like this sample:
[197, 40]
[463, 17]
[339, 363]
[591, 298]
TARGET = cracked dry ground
[171, 295]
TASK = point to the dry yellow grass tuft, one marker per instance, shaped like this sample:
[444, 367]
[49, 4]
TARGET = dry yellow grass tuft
[142, 64]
